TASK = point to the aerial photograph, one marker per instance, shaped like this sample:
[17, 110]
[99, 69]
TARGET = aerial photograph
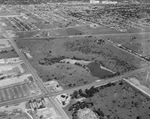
[74, 59]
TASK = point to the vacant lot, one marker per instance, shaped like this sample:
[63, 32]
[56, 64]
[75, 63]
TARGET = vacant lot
[110, 56]
[142, 78]
[139, 46]
[125, 37]
[112, 101]
[137, 42]
[46, 62]
[47, 54]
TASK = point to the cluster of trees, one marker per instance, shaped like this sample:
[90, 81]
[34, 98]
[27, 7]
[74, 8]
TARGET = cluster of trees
[79, 105]
[82, 45]
[99, 112]
[87, 93]
[100, 41]
[50, 61]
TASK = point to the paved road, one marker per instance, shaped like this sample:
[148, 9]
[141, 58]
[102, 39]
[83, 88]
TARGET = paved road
[96, 35]
[53, 29]
[57, 106]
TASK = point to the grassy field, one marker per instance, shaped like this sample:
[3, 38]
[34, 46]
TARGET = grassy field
[137, 43]
[112, 101]
[48, 52]
[66, 74]
[125, 37]
[113, 58]
[139, 46]
[26, 34]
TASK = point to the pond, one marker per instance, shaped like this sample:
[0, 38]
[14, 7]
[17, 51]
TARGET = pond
[98, 71]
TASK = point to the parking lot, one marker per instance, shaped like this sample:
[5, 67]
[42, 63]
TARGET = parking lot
[18, 91]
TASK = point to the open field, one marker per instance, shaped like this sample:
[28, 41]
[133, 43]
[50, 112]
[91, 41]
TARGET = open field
[141, 47]
[48, 53]
[123, 38]
[88, 49]
[115, 100]
[138, 43]
[67, 75]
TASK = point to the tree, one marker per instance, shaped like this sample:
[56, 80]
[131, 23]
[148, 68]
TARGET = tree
[75, 94]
